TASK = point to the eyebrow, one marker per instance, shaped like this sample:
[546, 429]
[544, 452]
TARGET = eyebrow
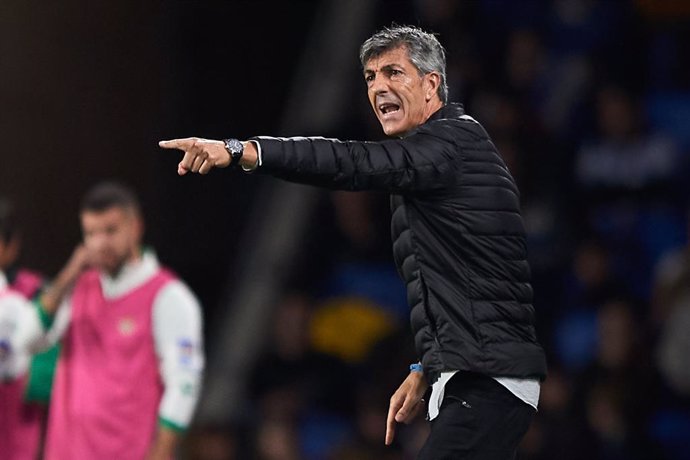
[385, 68]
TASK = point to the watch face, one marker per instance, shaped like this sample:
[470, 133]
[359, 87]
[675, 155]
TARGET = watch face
[234, 146]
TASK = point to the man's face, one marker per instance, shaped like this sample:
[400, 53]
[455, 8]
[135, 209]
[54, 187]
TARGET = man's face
[112, 237]
[397, 93]
[9, 252]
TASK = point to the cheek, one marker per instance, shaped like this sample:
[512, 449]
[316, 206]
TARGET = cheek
[90, 243]
[372, 100]
[121, 242]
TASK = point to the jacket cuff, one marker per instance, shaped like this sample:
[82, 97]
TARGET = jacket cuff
[172, 426]
[45, 318]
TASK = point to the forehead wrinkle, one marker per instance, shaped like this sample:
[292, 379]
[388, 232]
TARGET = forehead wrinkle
[394, 54]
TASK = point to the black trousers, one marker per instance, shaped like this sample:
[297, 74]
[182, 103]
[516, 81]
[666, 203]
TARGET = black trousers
[479, 419]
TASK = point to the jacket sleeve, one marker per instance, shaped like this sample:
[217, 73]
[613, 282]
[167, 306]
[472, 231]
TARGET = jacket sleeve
[422, 161]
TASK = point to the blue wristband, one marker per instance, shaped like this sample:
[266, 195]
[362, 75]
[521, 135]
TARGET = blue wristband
[416, 367]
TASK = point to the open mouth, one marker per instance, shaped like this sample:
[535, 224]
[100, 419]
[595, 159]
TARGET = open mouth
[388, 107]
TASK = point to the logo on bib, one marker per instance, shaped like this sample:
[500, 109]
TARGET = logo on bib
[126, 326]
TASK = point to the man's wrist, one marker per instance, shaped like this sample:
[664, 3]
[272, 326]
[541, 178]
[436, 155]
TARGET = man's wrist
[416, 367]
[250, 157]
[170, 425]
[45, 317]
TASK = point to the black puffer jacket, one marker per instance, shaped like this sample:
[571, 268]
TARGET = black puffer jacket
[458, 237]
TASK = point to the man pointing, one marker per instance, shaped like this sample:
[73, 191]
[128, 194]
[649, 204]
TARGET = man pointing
[458, 242]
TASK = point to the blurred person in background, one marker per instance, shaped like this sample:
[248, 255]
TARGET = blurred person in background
[628, 179]
[129, 374]
[25, 381]
[302, 395]
[619, 388]
[672, 281]
[670, 423]
[24, 281]
[558, 430]
[459, 243]
[20, 423]
[625, 157]
[20, 426]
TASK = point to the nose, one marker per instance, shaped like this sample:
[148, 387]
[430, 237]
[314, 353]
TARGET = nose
[378, 85]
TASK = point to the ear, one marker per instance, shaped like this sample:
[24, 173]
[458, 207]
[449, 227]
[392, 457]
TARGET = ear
[140, 227]
[432, 81]
[137, 225]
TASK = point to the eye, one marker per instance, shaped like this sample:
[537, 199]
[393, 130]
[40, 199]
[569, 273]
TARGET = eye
[369, 78]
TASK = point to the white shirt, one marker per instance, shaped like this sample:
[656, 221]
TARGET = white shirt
[526, 390]
[14, 357]
[177, 334]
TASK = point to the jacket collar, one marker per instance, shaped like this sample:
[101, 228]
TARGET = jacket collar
[451, 110]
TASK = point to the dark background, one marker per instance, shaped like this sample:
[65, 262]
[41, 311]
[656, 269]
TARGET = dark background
[88, 90]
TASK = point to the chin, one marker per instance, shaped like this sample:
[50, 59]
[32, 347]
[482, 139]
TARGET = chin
[390, 130]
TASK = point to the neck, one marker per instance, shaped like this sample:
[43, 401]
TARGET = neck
[133, 257]
[432, 107]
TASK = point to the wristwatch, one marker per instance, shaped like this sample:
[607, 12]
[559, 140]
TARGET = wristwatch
[235, 149]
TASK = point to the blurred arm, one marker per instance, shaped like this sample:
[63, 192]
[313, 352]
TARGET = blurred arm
[177, 331]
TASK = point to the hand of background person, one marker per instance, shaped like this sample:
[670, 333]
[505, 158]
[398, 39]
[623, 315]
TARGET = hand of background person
[78, 261]
[406, 403]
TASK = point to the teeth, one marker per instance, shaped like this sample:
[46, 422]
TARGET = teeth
[387, 108]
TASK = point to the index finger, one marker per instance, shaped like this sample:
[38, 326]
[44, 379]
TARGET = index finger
[180, 144]
[390, 421]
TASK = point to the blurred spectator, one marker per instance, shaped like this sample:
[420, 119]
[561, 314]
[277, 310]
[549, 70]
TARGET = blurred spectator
[131, 337]
[20, 423]
[628, 182]
[625, 158]
[557, 431]
[619, 388]
[304, 397]
[277, 440]
[672, 314]
[25, 388]
[26, 282]
[589, 283]
[290, 364]
[672, 281]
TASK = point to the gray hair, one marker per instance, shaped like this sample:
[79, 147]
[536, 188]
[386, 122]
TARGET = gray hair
[423, 48]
